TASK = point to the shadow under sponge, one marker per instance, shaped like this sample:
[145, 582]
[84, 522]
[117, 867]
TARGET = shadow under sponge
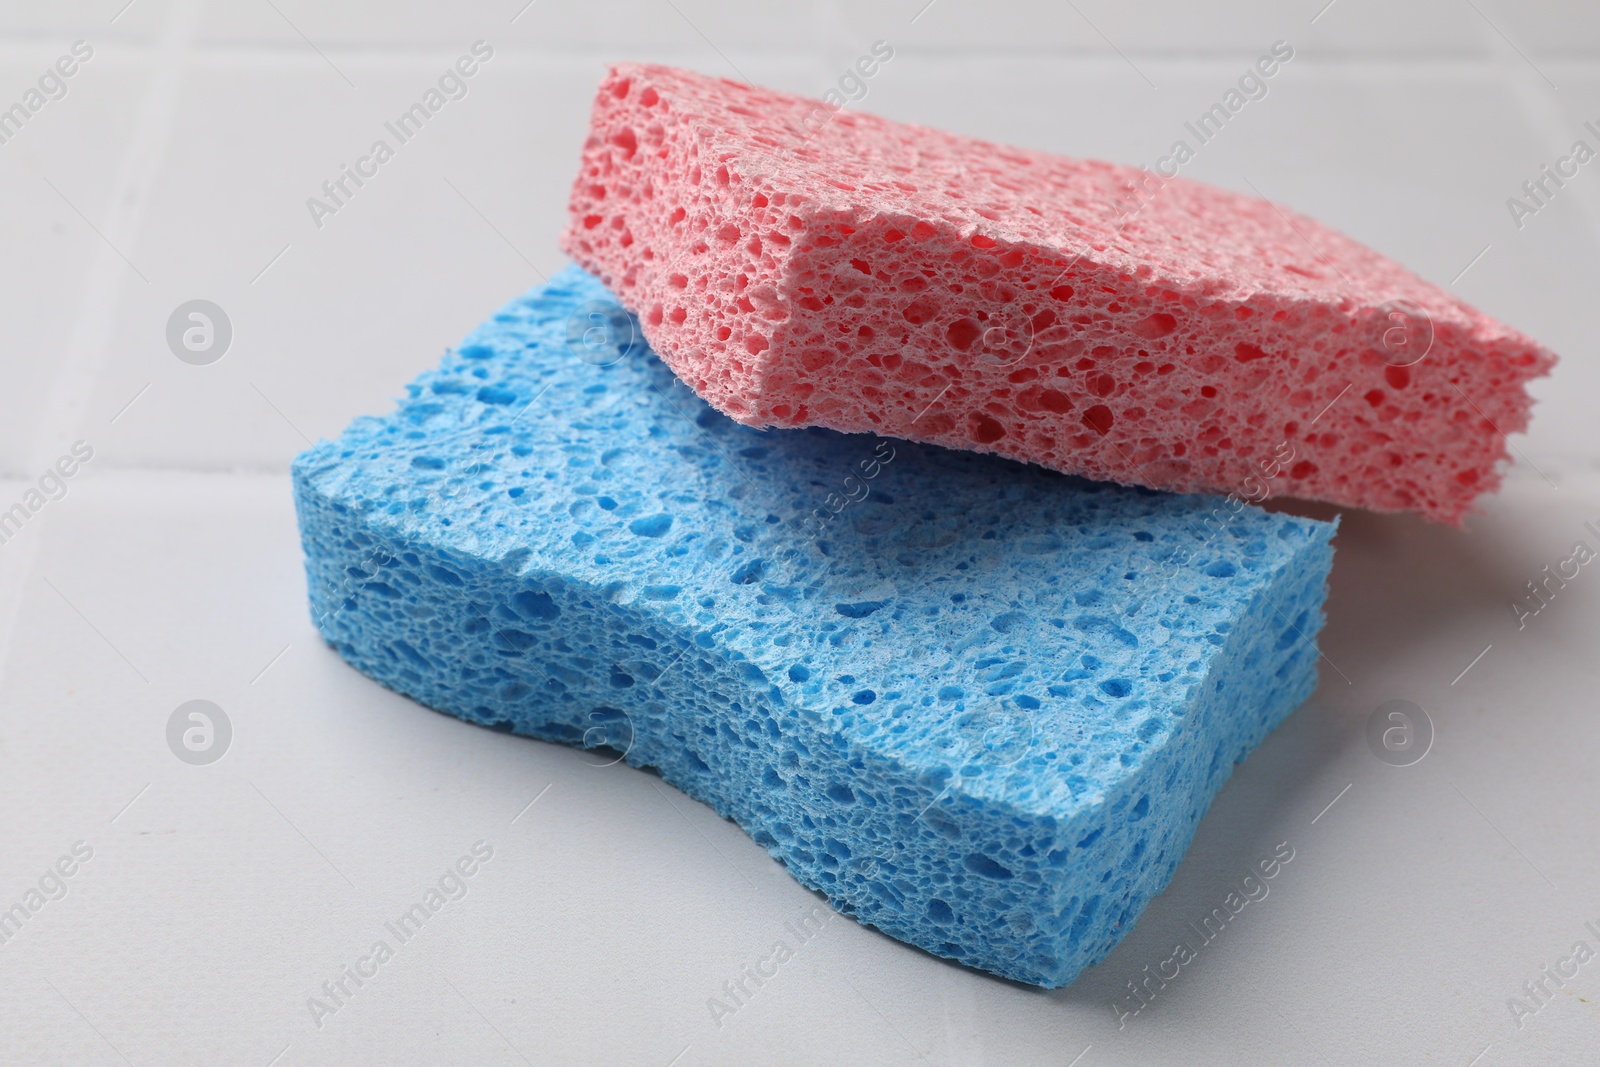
[979, 705]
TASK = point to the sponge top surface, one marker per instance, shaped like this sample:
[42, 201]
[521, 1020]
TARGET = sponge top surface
[1030, 632]
[1200, 238]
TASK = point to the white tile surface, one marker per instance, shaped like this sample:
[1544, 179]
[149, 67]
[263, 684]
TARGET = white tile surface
[221, 897]
[56, 182]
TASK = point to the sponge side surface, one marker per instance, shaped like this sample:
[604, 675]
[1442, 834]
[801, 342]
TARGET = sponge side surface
[979, 705]
[801, 267]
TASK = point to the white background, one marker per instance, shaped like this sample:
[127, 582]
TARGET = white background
[220, 897]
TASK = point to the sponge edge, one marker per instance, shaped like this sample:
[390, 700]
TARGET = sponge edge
[873, 276]
[978, 705]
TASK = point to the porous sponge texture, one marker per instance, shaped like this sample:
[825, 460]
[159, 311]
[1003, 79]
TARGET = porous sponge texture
[800, 267]
[981, 706]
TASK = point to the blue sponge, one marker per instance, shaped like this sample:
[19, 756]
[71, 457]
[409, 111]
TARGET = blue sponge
[979, 705]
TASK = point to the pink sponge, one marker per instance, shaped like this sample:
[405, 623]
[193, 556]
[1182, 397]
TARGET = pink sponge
[799, 266]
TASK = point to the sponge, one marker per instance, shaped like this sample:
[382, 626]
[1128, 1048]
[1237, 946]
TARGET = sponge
[979, 705]
[799, 267]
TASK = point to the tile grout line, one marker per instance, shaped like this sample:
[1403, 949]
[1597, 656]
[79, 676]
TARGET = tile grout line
[72, 386]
